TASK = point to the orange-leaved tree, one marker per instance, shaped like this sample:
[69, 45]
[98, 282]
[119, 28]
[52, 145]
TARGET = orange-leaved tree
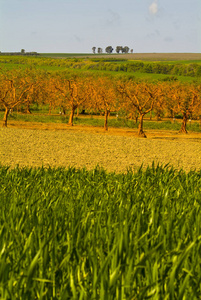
[140, 96]
[75, 93]
[14, 90]
[104, 97]
[185, 99]
[50, 95]
[160, 100]
[33, 77]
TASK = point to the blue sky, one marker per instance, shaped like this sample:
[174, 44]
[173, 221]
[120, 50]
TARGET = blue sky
[75, 26]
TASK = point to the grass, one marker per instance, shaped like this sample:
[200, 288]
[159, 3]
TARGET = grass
[98, 65]
[120, 122]
[42, 118]
[78, 234]
[150, 77]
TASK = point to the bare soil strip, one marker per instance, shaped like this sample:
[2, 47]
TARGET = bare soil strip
[155, 56]
[39, 144]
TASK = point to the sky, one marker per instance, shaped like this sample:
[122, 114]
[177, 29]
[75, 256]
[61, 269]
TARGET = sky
[75, 26]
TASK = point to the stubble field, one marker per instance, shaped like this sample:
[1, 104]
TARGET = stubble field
[37, 144]
[132, 56]
[163, 56]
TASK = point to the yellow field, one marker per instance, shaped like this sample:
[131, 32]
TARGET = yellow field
[37, 144]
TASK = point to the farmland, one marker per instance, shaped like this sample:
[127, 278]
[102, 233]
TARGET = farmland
[41, 144]
[78, 234]
[186, 57]
[93, 210]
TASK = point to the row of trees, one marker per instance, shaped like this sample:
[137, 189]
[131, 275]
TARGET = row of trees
[101, 94]
[23, 52]
[109, 49]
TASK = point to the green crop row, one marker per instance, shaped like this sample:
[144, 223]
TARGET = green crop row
[144, 67]
[78, 234]
[101, 64]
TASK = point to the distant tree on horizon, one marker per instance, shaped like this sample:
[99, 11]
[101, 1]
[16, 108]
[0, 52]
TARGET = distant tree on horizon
[100, 50]
[119, 48]
[109, 49]
[125, 49]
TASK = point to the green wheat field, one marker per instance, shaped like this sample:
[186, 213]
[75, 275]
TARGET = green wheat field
[78, 234]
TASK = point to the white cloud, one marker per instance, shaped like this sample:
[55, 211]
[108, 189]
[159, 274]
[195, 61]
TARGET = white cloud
[153, 8]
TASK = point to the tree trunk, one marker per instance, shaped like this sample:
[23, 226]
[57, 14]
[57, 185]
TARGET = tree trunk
[136, 117]
[70, 122]
[158, 116]
[27, 110]
[106, 118]
[140, 127]
[183, 125]
[5, 118]
[78, 112]
[50, 108]
[63, 110]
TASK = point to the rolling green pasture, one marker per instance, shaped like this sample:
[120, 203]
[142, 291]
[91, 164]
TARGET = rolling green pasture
[78, 234]
[106, 65]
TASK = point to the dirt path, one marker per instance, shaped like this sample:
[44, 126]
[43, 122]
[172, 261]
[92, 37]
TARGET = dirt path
[38, 144]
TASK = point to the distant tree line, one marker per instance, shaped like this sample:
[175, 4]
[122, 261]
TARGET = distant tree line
[109, 49]
[23, 52]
